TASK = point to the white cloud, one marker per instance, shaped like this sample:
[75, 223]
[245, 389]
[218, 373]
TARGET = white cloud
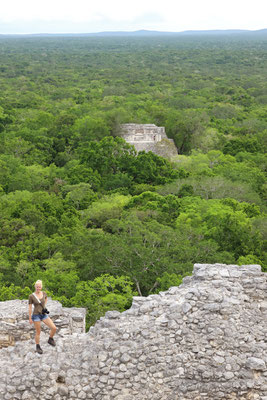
[172, 15]
[79, 10]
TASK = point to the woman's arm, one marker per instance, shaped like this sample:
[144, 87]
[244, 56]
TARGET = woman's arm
[30, 313]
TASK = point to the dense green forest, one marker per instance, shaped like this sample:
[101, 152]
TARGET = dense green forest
[81, 210]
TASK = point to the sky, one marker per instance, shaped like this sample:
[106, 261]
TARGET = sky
[87, 16]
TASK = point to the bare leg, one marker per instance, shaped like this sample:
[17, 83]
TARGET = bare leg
[51, 325]
[37, 325]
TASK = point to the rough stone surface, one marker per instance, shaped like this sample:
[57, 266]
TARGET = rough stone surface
[14, 320]
[203, 340]
[149, 137]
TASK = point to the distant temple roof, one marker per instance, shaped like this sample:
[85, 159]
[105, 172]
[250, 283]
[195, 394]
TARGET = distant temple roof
[148, 137]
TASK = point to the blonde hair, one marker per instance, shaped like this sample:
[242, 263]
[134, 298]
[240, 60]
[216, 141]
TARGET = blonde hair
[38, 283]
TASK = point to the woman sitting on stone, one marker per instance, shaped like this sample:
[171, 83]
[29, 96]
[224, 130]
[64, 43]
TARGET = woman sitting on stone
[39, 300]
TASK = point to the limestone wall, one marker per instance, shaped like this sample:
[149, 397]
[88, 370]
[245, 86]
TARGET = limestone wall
[149, 137]
[143, 132]
[15, 326]
[203, 340]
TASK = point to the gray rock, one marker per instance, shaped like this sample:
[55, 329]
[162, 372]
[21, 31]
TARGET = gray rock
[186, 307]
[204, 340]
[256, 363]
[148, 137]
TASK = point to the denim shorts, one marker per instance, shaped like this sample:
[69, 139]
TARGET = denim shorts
[39, 317]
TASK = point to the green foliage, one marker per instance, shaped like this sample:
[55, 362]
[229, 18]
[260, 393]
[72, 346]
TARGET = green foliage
[248, 260]
[186, 190]
[237, 145]
[187, 129]
[59, 276]
[104, 293]
[108, 207]
[118, 164]
[144, 249]
[13, 292]
[225, 221]
[167, 207]
[79, 196]
[109, 156]
[168, 280]
[151, 169]
[88, 129]
[99, 222]
[75, 173]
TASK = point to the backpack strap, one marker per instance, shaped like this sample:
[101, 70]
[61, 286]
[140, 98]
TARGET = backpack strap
[37, 298]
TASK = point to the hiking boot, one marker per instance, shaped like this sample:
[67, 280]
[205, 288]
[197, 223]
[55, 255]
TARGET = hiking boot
[51, 341]
[38, 349]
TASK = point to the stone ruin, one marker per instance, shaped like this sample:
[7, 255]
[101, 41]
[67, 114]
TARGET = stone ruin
[203, 340]
[15, 326]
[149, 137]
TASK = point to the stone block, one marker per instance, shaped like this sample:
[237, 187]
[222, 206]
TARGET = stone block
[256, 363]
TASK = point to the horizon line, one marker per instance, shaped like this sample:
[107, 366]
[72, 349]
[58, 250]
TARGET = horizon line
[135, 31]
